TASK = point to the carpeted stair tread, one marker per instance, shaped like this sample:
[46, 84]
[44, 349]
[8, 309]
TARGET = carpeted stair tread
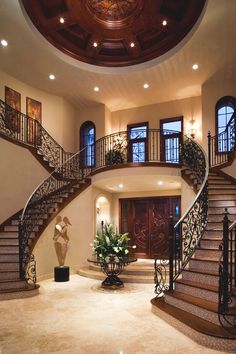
[198, 285]
[202, 271]
[205, 304]
[196, 323]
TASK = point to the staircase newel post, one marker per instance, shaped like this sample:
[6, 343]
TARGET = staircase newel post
[209, 148]
[225, 271]
[171, 253]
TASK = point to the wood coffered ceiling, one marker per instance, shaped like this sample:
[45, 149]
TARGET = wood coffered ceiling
[113, 25]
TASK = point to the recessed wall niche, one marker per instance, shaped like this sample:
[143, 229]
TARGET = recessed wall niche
[102, 206]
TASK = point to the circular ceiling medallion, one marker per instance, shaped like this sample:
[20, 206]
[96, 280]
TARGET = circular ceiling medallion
[114, 33]
[112, 10]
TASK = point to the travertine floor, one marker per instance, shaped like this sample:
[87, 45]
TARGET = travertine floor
[81, 318]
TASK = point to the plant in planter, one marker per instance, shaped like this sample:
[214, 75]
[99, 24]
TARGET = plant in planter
[110, 244]
[114, 157]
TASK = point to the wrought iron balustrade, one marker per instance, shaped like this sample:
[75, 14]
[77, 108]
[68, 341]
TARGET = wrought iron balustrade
[222, 146]
[186, 234]
[227, 276]
[116, 149]
[23, 129]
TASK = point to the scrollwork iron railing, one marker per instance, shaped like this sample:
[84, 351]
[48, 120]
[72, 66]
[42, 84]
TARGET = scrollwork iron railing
[227, 276]
[186, 234]
[222, 146]
[21, 128]
[43, 201]
[117, 148]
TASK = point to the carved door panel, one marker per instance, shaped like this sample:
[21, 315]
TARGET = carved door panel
[147, 222]
[158, 228]
[140, 228]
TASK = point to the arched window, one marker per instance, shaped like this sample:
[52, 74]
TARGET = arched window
[87, 140]
[225, 109]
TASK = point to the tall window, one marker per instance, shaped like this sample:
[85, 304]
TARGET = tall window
[137, 136]
[87, 140]
[225, 109]
[171, 135]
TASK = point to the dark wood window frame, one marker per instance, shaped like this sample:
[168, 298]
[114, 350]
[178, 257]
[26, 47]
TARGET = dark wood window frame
[163, 137]
[223, 101]
[139, 140]
[84, 126]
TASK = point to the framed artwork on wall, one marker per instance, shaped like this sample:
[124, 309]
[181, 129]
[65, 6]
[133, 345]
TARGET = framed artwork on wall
[13, 99]
[34, 112]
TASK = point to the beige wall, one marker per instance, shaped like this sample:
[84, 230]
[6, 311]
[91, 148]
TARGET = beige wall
[20, 174]
[58, 116]
[212, 91]
[82, 215]
[96, 114]
[189, 108]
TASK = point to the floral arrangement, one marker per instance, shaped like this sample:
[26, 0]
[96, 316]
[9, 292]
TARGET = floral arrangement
[110, 243]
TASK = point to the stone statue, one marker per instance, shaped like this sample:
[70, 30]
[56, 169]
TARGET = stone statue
[61, 238]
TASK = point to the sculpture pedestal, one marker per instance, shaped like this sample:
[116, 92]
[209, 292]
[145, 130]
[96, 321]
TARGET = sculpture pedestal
[61, 274]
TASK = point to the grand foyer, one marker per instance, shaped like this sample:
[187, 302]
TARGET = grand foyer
[73, 188]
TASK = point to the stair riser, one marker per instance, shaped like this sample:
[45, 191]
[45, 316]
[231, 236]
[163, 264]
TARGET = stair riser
[8, 249]
[222, 203]
[220, 211]
[214, 194]
[213, 234]
[201, 278]
[9, 275]
[211, 244]
[214, 183]
[11, 228]
[12, 285]
[9, 257]
[203, 265]
[215, 225]
[194, 310]
[8, 235]
[215, 254]
[9, 242]
[9, 266]
[201, 293]
[219, 218]
[223, 197]
[219, 191]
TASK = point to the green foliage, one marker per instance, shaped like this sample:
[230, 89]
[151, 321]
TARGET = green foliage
[114, 157]
[110, 243]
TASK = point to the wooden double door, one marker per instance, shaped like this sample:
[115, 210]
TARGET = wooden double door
[147, 222]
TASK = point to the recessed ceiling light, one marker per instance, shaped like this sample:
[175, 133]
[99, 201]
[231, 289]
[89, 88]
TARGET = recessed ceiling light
[132, 44]
[164, 23]
[160, 183]
[146, 86]
[52, 77]
[195, 66]
[4, 43]
[96, 88]
[120, 185]
[62, 20]
[95, 44]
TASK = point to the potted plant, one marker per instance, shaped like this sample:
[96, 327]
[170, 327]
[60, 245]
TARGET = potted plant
[114, 157]
[109, 244]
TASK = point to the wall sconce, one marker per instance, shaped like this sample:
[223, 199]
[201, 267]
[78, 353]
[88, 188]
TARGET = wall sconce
[192, 131]
[98, 208]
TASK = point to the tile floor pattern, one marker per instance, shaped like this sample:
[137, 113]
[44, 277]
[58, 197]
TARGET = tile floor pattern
[81, 318]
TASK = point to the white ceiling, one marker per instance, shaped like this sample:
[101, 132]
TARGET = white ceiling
[137, 183]
[30, 58]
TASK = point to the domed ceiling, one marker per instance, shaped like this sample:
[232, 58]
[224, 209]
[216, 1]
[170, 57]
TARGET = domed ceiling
[114, 33]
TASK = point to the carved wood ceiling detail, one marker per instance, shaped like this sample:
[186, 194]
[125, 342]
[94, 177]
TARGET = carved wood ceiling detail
[113, 25]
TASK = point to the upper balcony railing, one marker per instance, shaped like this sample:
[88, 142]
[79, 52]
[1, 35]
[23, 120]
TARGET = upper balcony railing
[222, 146]
[28, 131]
[151, 145]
